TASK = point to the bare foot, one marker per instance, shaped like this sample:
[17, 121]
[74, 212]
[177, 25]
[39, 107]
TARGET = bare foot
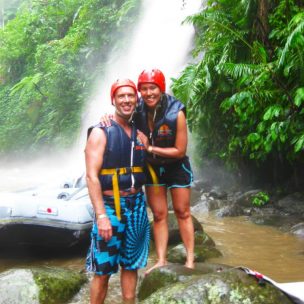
[189, 265]
[158, 264]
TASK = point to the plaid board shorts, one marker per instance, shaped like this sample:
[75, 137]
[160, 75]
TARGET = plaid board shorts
[129, 245]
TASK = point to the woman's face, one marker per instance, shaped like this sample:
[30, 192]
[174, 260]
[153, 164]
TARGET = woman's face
[151, 94]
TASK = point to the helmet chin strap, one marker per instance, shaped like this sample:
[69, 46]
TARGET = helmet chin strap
[157, 108]
[131, 117]
[124, 117]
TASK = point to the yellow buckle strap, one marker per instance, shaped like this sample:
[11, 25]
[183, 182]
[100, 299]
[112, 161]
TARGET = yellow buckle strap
[121, 171]
[154, 177]
[115, 172]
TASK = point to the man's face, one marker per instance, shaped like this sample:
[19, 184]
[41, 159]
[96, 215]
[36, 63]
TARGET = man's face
[151, 94]
[125, 100]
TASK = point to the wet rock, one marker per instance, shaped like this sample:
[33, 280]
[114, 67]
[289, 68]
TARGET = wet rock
[204, 249]
[201, 185]
[298, 230]
[203, 239]
[200, 208]
[230, 210]
[217, 287]
[245, 199]
[173, 273]
[270, 216]
[174, 235]
[207, 204]
[202, 253]
[292, 204]
[43, 285]
[195, 197]
[216, 192]
[18, 286]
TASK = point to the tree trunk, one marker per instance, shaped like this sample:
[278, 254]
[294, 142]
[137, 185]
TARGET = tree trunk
[263, 25]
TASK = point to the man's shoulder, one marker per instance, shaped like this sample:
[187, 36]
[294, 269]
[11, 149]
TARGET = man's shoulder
[98, 126]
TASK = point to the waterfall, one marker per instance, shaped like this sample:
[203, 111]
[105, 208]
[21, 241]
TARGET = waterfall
[159, 40]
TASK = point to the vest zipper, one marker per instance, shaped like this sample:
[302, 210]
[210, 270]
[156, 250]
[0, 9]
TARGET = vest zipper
[132, 156]
[151, 132]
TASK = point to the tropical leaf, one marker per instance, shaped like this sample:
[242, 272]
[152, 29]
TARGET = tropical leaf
[299, 97]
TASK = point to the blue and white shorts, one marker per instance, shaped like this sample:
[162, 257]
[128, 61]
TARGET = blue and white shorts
[129, 245]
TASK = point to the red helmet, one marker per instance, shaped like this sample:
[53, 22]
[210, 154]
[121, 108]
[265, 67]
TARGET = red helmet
[152, 76]
[122, 83]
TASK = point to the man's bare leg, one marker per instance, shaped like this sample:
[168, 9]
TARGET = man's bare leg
[99, 288]
[128, 281]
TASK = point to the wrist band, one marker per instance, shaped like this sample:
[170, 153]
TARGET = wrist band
[101, 216]
[150, 149]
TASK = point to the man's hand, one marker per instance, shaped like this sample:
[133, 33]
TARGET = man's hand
[105, 120]
[104, 228]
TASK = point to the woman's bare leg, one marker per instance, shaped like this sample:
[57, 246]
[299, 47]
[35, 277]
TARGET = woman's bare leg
[181, 205]
[157, 200]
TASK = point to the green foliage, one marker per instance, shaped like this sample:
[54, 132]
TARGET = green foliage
[260, 199]
[244, 93]
[50, 55]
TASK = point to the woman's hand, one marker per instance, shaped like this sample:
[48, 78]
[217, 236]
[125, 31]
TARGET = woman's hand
[144, 139]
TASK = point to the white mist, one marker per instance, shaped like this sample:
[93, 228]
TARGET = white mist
[160, 41]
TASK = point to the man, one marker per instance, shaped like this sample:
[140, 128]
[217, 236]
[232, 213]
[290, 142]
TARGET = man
[115, 176]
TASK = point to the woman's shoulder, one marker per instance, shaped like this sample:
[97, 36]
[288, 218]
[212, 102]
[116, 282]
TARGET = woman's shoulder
[174, 102]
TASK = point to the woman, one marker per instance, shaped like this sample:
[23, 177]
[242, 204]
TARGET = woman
[161, 120]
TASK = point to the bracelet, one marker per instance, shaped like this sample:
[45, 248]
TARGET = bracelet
[150, 149]
[101, 216]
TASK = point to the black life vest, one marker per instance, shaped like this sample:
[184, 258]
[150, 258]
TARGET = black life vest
[122, 152]
[165, 125]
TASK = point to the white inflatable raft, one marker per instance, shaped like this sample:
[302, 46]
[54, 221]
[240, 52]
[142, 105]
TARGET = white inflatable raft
[45, 217]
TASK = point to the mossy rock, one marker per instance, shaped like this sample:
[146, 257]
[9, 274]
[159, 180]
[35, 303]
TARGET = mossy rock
[203, 239]
[225, 287]
[43, 285]
[202, 253]
[173, 273]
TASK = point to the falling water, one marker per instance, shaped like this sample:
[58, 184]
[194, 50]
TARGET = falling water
[160, 40]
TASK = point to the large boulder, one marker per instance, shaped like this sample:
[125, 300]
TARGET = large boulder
[217, 285]
[173, 273]
[292, 203]
[41, 285]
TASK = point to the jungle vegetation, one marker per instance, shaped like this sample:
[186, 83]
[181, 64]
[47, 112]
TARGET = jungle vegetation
[50, 54]
[245, 89]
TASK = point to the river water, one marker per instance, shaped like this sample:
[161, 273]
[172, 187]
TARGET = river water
[265, 249]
